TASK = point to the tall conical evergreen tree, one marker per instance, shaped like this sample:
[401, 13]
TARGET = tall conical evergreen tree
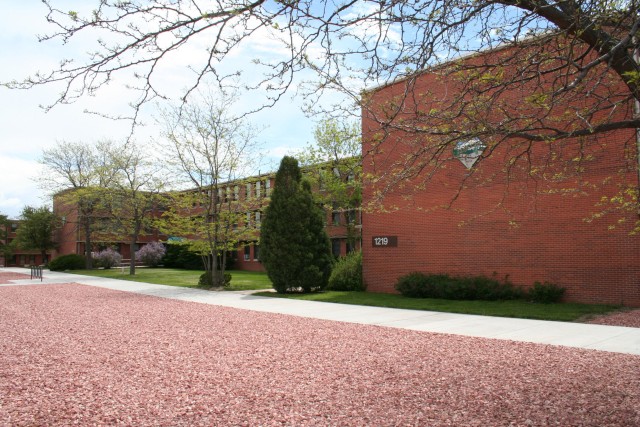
[294, 245]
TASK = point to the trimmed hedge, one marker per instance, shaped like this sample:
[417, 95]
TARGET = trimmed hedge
[443, 286]
[68, 262]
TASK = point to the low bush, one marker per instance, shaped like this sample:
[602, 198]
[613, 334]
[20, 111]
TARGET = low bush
[546, 292]
[206, 281]
[68, 262]
[443, 286]
[107, 258]
[151, 254]
[347, 274]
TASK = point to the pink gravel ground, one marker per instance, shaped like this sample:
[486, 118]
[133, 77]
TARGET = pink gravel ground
[629, 318]
[76, 355]
[6, 277]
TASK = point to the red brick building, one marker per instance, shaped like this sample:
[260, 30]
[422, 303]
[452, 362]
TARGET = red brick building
[529, 211]
[248, 198]
[19, 257]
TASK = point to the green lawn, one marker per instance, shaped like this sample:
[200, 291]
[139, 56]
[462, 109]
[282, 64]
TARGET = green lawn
[517, 308]
[240, 280]
[245, 280]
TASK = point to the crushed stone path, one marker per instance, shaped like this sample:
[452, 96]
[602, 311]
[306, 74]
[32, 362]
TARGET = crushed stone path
[589, 336]
[72, 354]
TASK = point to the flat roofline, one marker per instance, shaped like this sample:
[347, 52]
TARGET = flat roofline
[502, 46]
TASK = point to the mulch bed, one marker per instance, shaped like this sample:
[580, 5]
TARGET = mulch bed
[74, 354]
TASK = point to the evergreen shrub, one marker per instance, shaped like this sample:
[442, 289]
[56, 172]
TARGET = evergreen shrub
[179, 256]
[67, 262]
[206, 281]
[346, 274]
[443, 286]
[546, 292]
[294, 246]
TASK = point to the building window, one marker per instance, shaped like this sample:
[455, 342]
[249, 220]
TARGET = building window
[258, 188]
[256, 252]
[336, 248]
[247, 253]
[14, 227]
[236, 193]
[267, 187]
[350, 247]
[247, 220]
[351, 216]
[335, 217]
[257, 216]
[248, 191]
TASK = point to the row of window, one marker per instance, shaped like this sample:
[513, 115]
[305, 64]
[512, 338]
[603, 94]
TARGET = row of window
[254, 218]
[257, 189]
[336, 249]
[350, 217]
[247, 252]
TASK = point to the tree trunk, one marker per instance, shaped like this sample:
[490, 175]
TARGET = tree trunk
[132, 251]
[87, 243]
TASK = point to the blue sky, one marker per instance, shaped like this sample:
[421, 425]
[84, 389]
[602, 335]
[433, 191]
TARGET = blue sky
[25, 129]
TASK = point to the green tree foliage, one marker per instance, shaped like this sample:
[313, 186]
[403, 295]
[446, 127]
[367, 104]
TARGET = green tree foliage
[333, 164]
[5, 248]
[347, 274]
[76, 174]
[36, 230]
[208, 148]
[133, 195]
[295, 248]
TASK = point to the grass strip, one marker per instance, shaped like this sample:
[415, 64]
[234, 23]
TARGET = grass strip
[240, 280]
[566, 312]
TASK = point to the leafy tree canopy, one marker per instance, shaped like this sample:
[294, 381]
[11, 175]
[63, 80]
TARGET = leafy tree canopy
[36, 229]
[335, 45]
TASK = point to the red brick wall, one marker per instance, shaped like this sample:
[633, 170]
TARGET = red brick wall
[526, 221]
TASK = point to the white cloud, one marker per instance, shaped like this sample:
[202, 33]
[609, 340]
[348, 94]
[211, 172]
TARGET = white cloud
[18, 186]
[25, 130]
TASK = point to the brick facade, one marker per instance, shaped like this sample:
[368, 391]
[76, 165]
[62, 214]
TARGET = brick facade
[525, 213]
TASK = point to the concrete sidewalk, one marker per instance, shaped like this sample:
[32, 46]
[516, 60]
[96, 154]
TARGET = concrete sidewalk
[595, 337]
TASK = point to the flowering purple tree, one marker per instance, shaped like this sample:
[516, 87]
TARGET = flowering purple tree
[108, 258]
[151, 254]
